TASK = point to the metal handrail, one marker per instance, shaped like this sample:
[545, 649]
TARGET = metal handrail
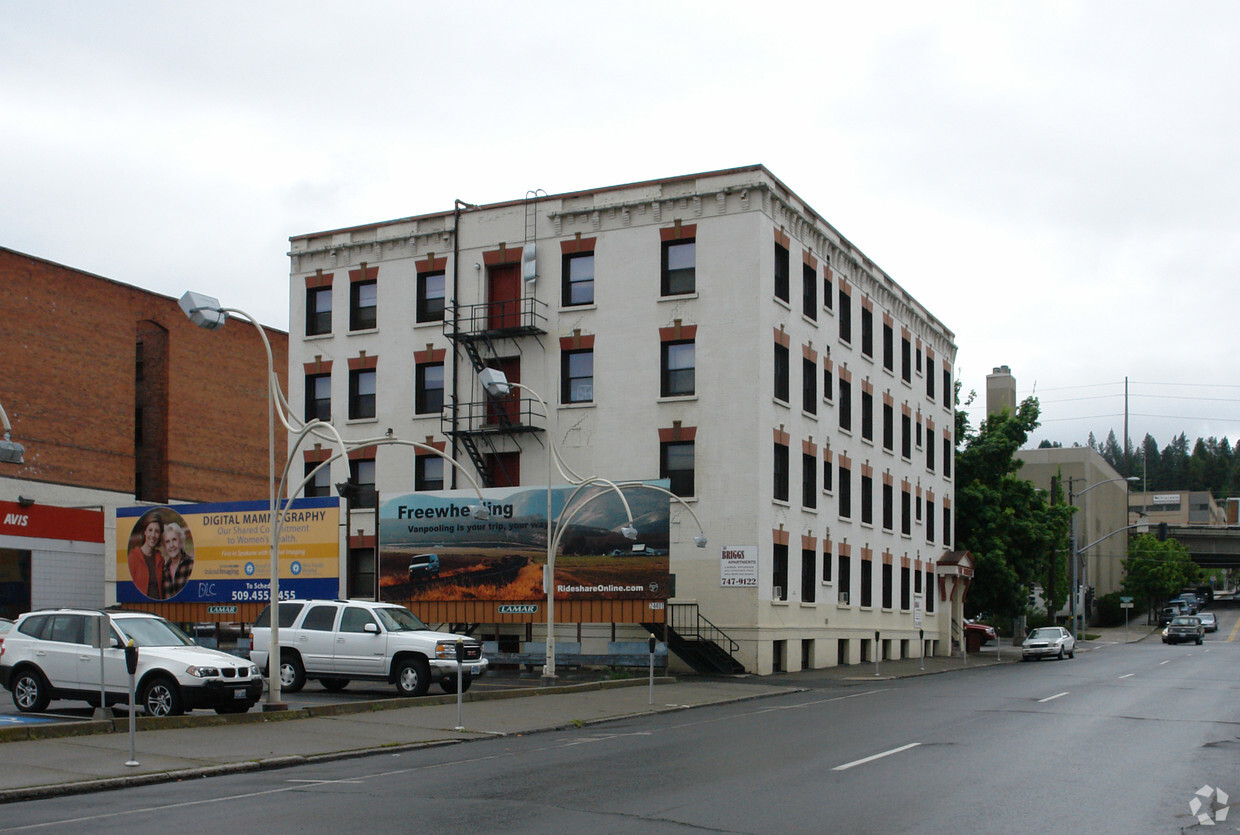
[701, 628]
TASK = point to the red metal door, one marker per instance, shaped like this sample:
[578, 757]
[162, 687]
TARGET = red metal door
[503, 296]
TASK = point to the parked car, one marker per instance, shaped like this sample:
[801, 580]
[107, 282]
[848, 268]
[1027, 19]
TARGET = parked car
[424, 567]
[1048, 642]
[338, 641]
[53, 654]
[5, 626]
[1209, 622]
[982, 633]
[1174, 608]
[1184, 628]
[1191, 603]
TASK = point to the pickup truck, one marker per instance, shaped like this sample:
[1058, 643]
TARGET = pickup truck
[338, 641]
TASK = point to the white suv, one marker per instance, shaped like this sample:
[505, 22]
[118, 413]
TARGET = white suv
[54, 654]
[338, 641]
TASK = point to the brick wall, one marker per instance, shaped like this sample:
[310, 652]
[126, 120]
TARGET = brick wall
[68, 341]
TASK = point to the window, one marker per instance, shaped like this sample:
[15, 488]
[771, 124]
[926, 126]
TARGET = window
[809, 291]
[779, 573]
[781, 473]
[888, 591]
[906, 513]
[844, 492]
[676, 464]
[320, 618]
[906, 364]
[888, 506]
[947, 526]
[867, 583]
[826, 285]
[947, 388]
[906, 436]
[355, 619]
[782, 372]
[428, 387]
[867, 415]
[679, 267]
[828, 383]
[930, 595]
[809, 480]
[577, 376]
[809, 575]
[809, 385]
[428, 473]
[917, 504]
[362, 476]
[844, 576]
[678, 368]
[361, 393]
[321, 485]
[845, 405]
[828, 475]
[929, 520]
[919, 356]
[318, 310]
[930, 453]
[889, 417]
[930, 384]
[947, 458]
[867, 499]
[919, 444]
[826, 563]
[430, 296]
[888, 349]
[917, 582]
[363, 305]
[867, 331]
[845, 317]
[318, 397]
[781, 273]
[578, 273]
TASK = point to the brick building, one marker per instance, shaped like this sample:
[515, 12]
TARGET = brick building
[712, 330]
[119, 399]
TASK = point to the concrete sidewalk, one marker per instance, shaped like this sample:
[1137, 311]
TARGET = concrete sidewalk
[74, 757]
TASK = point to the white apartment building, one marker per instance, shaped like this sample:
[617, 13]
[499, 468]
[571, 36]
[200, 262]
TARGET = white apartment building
[711, 329]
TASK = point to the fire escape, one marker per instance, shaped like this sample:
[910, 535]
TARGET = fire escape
[481, 331]
[486, 333]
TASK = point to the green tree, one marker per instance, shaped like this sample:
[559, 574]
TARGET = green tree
[1013, 532]
[1155, 571]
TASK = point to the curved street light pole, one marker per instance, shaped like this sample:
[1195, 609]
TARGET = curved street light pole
[1076, 552]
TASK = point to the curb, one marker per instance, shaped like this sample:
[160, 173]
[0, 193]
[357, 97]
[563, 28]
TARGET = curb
[290, 761]
[120, 724]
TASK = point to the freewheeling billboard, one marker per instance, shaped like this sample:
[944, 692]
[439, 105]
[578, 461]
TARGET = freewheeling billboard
[220, 553]
[432, 549]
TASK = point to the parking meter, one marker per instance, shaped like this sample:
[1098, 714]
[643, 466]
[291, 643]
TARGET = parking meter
[652, 643]
[131, 664]
[131, 658]
[460, 681]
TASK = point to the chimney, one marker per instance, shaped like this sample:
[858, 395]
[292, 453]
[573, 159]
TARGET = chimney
[1000, 391]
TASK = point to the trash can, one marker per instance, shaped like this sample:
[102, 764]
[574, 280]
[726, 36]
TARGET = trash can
[972, 640]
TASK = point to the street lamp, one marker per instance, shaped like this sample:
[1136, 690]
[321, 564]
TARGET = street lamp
[11, 452]
[1072, 496]
[206, 312]
[496, 384]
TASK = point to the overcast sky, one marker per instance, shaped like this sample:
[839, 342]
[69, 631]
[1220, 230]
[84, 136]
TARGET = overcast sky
[1057, 182]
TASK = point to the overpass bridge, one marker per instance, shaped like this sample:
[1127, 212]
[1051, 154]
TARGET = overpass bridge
[1210, 546]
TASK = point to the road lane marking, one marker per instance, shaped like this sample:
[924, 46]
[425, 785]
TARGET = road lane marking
[1052, 698]
[1234, 630]
[865, 760]
[1128, 675]
[1168, 661]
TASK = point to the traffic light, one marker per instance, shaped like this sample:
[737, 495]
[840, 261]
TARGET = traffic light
[1162, 531]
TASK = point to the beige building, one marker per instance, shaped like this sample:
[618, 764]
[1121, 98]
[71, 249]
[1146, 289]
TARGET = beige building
[711, 329]
[1176, 507]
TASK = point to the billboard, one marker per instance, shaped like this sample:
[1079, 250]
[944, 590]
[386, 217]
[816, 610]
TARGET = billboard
[431, 549]
[220, 553]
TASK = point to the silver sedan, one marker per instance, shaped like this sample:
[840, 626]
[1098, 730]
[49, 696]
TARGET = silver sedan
[1048, 642]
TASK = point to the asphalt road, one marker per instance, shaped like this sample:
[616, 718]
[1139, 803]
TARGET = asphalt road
[1117, 740]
